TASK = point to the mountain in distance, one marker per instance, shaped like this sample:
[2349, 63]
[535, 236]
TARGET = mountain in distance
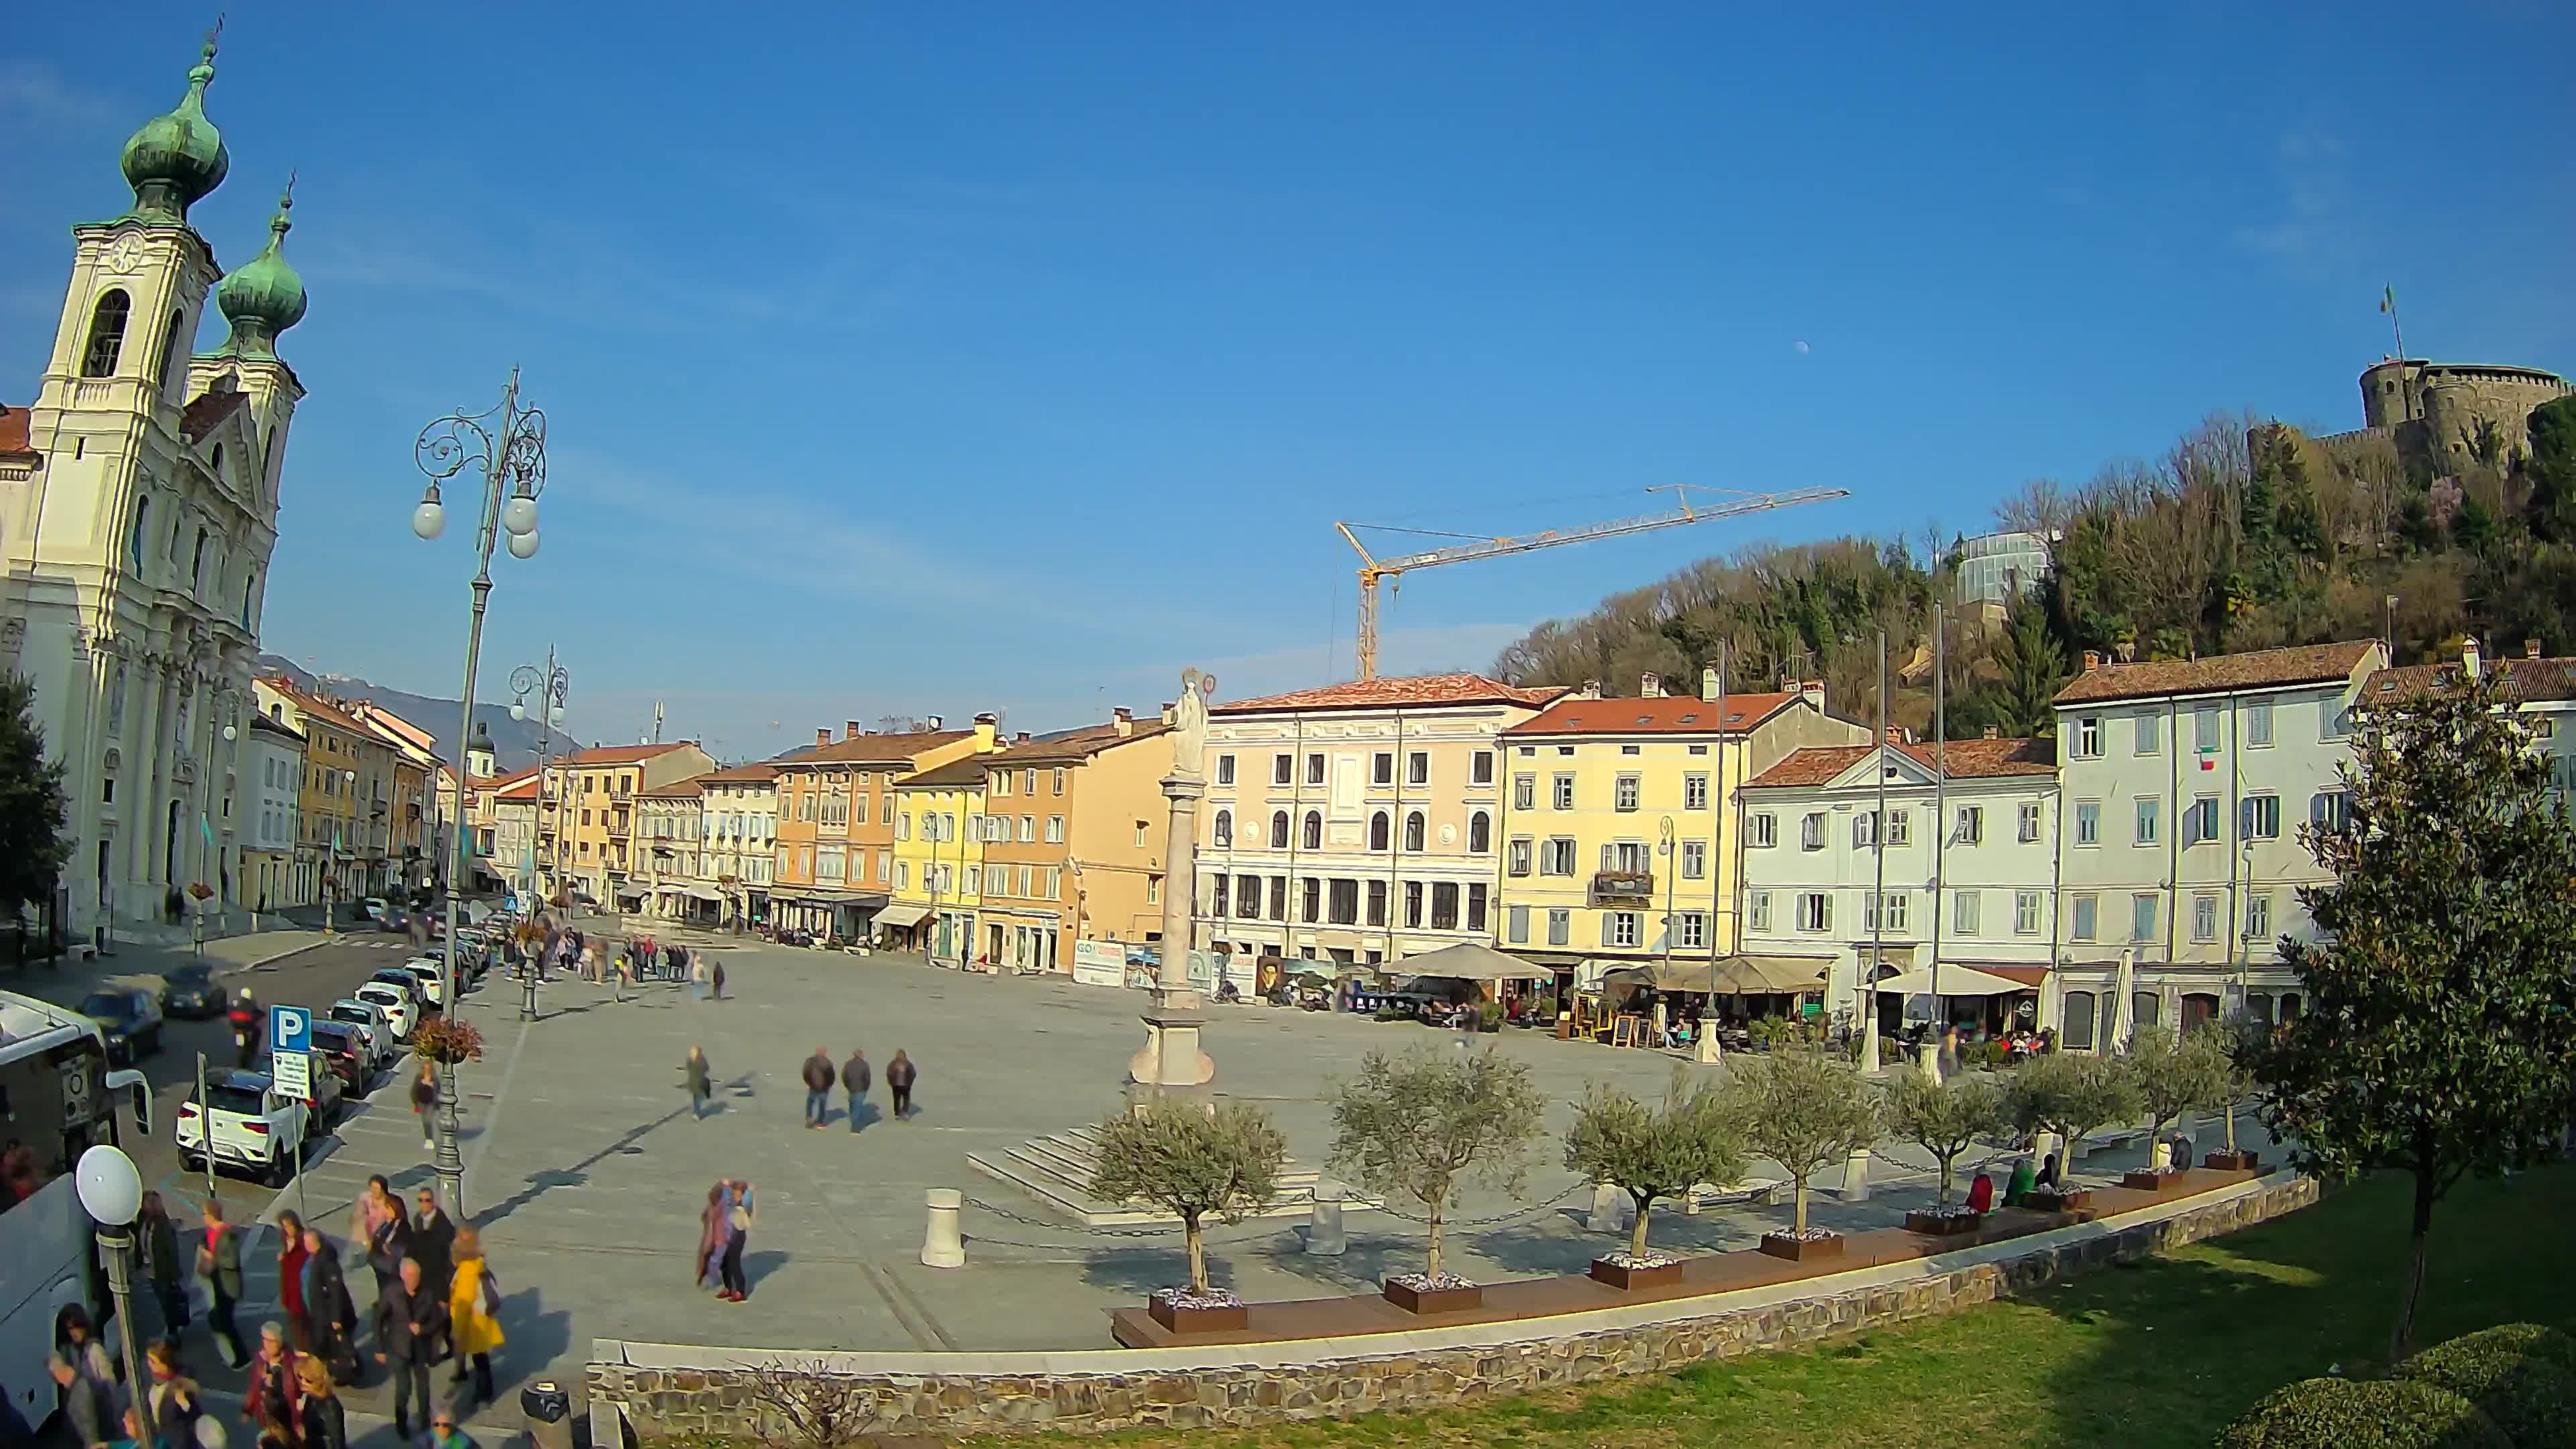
[514, 742]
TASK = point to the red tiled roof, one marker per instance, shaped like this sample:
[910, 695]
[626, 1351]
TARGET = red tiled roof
[13, 431]
[1075, 745]
[2262, 669]
[2523, 679]
[1398, 693]
[678, 789]
[963, 771]
[1667, 714]
[209, 409]
[524, 788]
[620, 754]
[759, 774]
[314, 704]
[874, 749]
[1968, 760]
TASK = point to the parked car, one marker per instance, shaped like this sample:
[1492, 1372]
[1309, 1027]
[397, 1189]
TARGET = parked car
[373, 908]
[400, 1006]
[431, 973]
[192, 992]
[368, 1019]
[392, 921]
[352, 1059]
[254, 1125]
[129, 1017]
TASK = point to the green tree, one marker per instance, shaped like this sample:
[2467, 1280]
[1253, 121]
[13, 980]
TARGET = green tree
[1418, 1124]
[33, 849]
[2175, 1077]
[2019, 698]
[1804, 1110]
[1192, 1162]
[1655, 1152]
[2551, 470]
[1947, 1118]
[2440, 1034]
[2473, 525]
[2070, 1094]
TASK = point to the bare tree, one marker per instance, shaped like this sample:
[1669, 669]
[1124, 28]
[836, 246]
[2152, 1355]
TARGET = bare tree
[802, 1404]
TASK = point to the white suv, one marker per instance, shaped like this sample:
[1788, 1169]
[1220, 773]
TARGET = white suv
[255, 1125]
[368, 1020]
[431, 972]
[399, 1005]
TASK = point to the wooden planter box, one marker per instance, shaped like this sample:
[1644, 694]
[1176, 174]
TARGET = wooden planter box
[1198, 1320]
[1802, 1250]
[1435, 1300]
[1628, 1280]
[2237, 1161]
[2077, 1200]
[2152, 1181]
[1943, 1225]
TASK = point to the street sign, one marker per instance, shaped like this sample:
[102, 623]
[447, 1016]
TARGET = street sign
[290, 1029]
[293, 1073]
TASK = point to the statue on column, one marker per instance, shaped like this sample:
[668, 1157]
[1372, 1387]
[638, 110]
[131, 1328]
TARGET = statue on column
[1190, 723]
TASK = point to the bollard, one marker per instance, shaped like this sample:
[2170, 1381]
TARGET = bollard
[1611, 1209]
[1856, 1177]
[1324, 1237]
[1710, 1053]
[1928, 1057]
[941, 1244]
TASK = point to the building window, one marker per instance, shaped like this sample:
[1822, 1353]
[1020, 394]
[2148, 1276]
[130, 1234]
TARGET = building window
[1382, 768]
[1480, 834]
[1225, 769]
[2088, 822]
[1556, 857]
[1815, 911]
[2334, 720]
[1893, 908]
[1279, 898]
[2150, 816]
[1560, 928]
[1417, 768]
[1312, 836]
[1516, 926]
[2258, 917]
[2150, 733]
[2142, 917]
[1377, 903]
[2029, 821]
[1029, 781]
[1480, 768]
[1029, 831]
[1695, 791]
[1413, 903]
[2085, 918]
[1313, 902]
[1627, 855]
[1378, 831]
[1966, 910]
[2204, 728]
[1413, 827]
[1153, 890]
[1757, 910]
[1694, 860]
[2088, 737]
[1971, 827]
[2204, 918]
[1621, 928]
[1624, 795]
[1278, 830]
[1055, 830]
[2079, 1020]
[1225, 830]
[1279, 767]
[1247, 896]
[1900, 827]
[106, 334]
[2200, 823]
[2330, 809]
[1314, 769]
[1056, 784]
[2258, 724]
[2258, 817]
[1564, 796]
[1516, 858]
[1344, 906]
[1762, 831]
[1476, 897]
[2026, 913]
[1811, 831]
[1524, 792]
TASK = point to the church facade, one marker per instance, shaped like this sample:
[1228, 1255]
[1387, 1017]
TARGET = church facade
[138, 509]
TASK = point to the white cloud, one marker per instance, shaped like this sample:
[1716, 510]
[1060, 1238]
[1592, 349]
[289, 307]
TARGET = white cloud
[40, 95]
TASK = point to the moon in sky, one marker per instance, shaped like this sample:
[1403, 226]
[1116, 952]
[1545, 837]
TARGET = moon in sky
[1802, 347]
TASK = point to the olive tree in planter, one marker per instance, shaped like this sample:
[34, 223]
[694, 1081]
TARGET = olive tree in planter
[2244, 1039]
[1945, 1119]
[2172, 1078]
[1805, 1110]
[2070, 1094]
[1652, 1152]
[1416, 1125]
[1192, 1162]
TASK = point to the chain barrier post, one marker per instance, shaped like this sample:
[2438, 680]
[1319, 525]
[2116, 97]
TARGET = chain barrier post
[942, 1244]
[1324, 1236]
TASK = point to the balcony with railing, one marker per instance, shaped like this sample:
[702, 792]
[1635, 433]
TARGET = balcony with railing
[1623, 887]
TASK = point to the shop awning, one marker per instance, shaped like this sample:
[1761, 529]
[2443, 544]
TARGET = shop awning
[703, 893]
[903, 917]
[1785, 975]
[1955, 981]
[1469, 961]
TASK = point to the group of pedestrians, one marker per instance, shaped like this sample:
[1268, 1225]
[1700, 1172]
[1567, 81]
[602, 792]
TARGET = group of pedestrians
[855, 1079]
[724, 1232]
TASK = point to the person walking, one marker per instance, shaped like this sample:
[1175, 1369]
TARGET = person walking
[330, 1315]
[89, 1407]
[409, 1323]
[177, 1402]
[854, 1080]
[702, 1085]
[161, 1263]
[219, 1262]
[818, 1075]
[443, 1433]
[290, 1281]
[433, 1243]
[713, 1227]
[273, 1400]
[698, 977]
[323, 1422]
[77, 1339]
[738, 1225]
[715, 977]
[900, 1074]
[424, 1103]
[473, 1315]
[384, 1233]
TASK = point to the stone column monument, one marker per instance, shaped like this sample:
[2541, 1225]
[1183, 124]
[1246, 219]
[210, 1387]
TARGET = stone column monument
[1171, 1060]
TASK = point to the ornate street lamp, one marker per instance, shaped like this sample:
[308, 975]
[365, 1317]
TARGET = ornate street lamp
[551, 685]
[112, 1192]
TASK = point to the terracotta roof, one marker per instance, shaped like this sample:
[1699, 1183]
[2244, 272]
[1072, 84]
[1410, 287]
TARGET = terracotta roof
[314, 704]
[1968, 760]
[524, 789]
[1074, 746]
[1667, 714]
[2262, 669]
[260, 721]
[759, 774]
[873, 749]
[209, 409]
[956, 774]
[2524, 679]
[620, 754]
[689, 788]
[13, 431]
[1398, 693]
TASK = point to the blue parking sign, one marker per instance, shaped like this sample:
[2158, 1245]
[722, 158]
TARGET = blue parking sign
[290, 1029]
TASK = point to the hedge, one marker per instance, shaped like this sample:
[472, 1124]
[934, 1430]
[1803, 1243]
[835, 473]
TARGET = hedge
[2364, 1414]
[2516, 1374]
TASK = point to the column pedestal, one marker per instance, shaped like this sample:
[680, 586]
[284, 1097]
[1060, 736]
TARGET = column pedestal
[1170, 1060]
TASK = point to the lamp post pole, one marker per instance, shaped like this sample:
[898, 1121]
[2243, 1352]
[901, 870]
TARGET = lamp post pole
[552, 687]
[111, 1191]
[508, 444]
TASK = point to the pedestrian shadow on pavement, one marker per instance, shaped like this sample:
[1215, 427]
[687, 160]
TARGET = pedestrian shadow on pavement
[574, 1175]
[756, 1267]
[533, 1337]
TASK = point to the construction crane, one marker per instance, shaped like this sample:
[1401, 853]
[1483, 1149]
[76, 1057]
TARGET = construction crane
[1476, 546]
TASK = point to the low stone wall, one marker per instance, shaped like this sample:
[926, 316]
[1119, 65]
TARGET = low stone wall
[652, 1390]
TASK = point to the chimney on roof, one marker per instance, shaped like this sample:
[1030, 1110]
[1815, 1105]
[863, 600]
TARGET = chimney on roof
[1992, 733]
[988, 730]
[2530, 648]
[1123, 720]
[935, 722]
[822, 736]
[1169, 716]
[1590, 689]
[1896, 734]
[1651, 686]
[1708, 682]
[2469, 658]
[1021, 738]
[850, 729]
[2092, 660]
[1813, 689]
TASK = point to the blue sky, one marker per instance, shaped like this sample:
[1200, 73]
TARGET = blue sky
[894, 355]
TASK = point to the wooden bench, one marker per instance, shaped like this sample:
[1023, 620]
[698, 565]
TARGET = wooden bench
[1766, 1191]
[2110, 1137]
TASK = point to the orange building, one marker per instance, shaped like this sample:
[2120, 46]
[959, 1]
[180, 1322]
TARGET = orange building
[835, 846]
[1073, 832]
[586, 822]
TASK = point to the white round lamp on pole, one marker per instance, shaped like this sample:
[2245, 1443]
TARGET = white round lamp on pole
[111, 1191]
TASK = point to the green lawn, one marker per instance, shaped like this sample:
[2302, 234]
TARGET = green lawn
[2154, 1354]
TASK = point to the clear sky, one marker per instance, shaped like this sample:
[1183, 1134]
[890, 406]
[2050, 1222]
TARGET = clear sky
[946, 358]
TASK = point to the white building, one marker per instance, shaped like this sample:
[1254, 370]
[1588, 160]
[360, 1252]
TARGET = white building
[1341, 823]
[2545, 689]
[138, 508]
[273, 762]
[1976, 895]
[1994, 569]
[738, 837]
[2185, 783]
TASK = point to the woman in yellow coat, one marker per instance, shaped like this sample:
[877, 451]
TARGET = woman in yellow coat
[473, 1312]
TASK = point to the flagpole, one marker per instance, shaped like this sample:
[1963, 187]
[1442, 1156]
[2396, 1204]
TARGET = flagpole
[2405, 384]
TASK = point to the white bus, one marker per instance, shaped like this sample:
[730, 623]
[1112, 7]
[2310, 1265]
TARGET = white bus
[57, 1100]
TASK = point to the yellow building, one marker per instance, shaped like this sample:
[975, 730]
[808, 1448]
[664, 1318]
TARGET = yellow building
[328, 846]
[410, 836]
[939, 852]
[1614, 847]
[586, 820]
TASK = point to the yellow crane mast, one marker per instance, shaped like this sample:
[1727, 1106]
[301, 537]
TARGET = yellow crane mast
[1476, 546]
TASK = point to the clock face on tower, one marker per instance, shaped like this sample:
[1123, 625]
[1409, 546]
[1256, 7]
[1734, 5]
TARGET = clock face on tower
[125, 255]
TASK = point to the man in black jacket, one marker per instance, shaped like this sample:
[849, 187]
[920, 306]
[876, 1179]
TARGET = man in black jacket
[854, 1080]
[219, 1262]
[410, 1324]
[433, 1243]
[818, 1087]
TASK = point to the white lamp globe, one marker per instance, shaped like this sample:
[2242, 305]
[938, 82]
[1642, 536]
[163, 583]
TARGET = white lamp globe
[518, 709]
[556, 716]
[231, 734]
[519, 515]
[523, 545]
[429, 520]
[109, 1186]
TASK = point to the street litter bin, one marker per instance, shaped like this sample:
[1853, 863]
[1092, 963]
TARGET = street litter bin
[548, 1410]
